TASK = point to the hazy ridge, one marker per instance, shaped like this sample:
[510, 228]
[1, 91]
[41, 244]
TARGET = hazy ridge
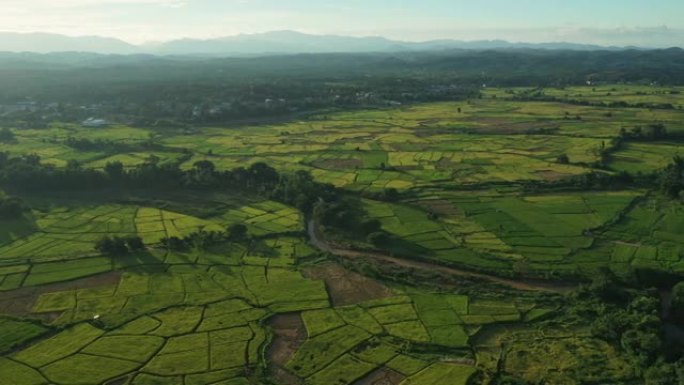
[278, 42]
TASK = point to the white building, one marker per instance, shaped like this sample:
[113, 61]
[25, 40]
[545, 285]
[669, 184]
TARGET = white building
[95, 123]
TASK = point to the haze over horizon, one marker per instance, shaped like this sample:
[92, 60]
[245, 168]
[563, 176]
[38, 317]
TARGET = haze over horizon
[657, 23]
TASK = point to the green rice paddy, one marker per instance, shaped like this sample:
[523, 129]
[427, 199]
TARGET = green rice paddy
[70, 316]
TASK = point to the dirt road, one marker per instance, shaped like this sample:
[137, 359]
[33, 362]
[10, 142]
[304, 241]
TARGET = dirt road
[523, 284]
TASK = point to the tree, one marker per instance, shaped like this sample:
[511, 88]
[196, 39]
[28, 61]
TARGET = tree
[671, 180]
[112, 246]
[104, 245]
[135, 243]
[11, 208]
[661, 373]
[370, 226]
[263, 173]
[73, 165]
[174, 243]
[237, 232]
[205, 166]
[563, 159]
[115, 170]
[678, 300]
[390, 194]
[644, 346]
[6, 135]
[378, 239]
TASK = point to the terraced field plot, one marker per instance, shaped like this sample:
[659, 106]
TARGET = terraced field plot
[50, 145]
[645, 157]
[580, 357]
[59, 245]
[494, 230]
[648, 237]
[401, 148]
[198, 326]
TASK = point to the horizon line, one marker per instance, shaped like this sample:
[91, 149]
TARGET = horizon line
[351, 36]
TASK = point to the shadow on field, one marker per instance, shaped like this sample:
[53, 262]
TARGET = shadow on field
[399, 247]
[11, 230]
[143, 262]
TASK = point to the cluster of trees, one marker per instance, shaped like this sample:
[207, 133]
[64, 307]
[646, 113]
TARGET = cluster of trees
[27, 173]
[202, 240]
[301, 191]
[386, 195]
[594, 181]
[298, 189]
[327, 205]
[118, 246]
[651, 132]
[540, 96]
[671, 179]
[629, 319]
[345, 215]
[6, 135]
[676, 312]
[147, 90]
[563, 159]
[11, 208]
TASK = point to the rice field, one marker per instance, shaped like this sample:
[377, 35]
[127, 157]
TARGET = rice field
[209, 324]
[70, 316]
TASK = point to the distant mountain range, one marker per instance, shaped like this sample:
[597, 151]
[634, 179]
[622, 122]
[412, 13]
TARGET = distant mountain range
[278, 42]
[48, 43]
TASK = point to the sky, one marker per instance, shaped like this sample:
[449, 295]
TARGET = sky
[606, 22]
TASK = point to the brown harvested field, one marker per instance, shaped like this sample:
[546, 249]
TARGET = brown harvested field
[19, 302]
[552, 175]
[516, 128]
[381, 376]
[337, 164]
[289, 334]
[440, 206]
[425, 132]
[346, 287]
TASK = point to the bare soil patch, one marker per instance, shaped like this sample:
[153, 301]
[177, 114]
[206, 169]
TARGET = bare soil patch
[429, 122]
[552, 175]
[425, 132]
[502, 126]
[289, 334]
[337, 164]
[19, 302]
[440, 206]
[445, 164]
[381, 376]
[346, 287]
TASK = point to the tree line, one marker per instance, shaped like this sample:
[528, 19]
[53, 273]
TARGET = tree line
[324, 202]
[12, 208]
[539, 96]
